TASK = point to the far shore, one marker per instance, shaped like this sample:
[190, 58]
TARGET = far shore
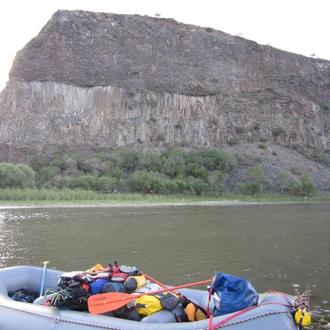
[247, 200]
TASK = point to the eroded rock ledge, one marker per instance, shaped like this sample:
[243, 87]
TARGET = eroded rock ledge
[96, 80]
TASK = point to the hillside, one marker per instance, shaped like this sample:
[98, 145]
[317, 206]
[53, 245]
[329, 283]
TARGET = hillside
[97, 81]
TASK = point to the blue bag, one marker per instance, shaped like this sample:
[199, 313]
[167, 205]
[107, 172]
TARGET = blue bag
[231, 294]
[95, 287]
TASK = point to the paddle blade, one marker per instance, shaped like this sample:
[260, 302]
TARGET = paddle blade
[107, 302]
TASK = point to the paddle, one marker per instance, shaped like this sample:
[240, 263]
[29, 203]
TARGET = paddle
[107, 302]
[43, 278]
[157, 282]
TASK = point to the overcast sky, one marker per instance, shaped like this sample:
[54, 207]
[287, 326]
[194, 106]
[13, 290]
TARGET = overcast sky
[298, 26]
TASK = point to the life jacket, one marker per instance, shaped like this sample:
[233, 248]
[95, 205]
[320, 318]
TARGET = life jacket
[193, 311]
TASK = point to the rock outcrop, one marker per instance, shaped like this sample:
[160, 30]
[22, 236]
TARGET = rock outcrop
[96, 81]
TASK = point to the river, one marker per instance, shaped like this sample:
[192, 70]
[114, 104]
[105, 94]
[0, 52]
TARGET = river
[275, 246]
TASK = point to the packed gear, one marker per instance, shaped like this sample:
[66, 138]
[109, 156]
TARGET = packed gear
[231, 294]
[147, 305]
[134, 283]
[75, 287]
[74, 297]
[24, 295]
[193, 311]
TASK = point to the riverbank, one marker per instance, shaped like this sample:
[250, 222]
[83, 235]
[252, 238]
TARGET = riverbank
[135, 200]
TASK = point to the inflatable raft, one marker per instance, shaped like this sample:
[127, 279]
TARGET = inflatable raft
[273, 311]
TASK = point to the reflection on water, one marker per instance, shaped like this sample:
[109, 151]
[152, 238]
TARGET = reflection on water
[274, 246]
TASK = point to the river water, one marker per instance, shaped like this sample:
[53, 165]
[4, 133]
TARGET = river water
[275, 246]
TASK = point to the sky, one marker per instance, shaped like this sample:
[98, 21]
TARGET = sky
[297, 26]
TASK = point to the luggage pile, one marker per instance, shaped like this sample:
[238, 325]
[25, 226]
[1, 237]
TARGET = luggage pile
[74, 289]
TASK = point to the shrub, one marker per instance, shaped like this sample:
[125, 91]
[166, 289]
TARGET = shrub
[47, 174]
[214, 178]
[214, 160]
[199, 172]
[106, 184]
[35, 163]
[86, 182]
[146, 182]
[256, 173]
[126, 159]
[61, 182]
[278, 131]
[197, 186]
[150, 162]
[245, 159]
[16, 176]
[296, 170]
[181, 184]
[250, 188]
[161, 137]
[172, 186]
[304, 187]
[256, 126]
[327, 106]
[233, 141]
[284, 179]
[240, 130]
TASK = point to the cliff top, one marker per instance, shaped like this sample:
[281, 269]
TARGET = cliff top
[155, 54]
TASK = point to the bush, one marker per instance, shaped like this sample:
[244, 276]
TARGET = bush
[106, 184]
[197, 186]
[127, 159]
[256, 174]
[250, 188]
[47, 174]
[86, 182]
[284, 179]
[199, 172]
[304, 187]
[214, 178]
[232, 141]
[278, 131]
[172, 187]
[181, 184]
[146, 182]
[214, 160]
[16, 176]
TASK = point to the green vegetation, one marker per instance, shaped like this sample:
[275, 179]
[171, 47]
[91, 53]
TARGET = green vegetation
[129, 175]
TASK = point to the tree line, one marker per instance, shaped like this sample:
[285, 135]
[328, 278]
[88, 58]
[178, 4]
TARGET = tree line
[124, 170]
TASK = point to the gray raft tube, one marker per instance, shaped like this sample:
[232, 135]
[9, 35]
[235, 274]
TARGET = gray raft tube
[19, 315]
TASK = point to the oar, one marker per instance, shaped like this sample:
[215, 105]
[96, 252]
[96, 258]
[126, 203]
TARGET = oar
[107, 302]
[43, 278]
[157, 282]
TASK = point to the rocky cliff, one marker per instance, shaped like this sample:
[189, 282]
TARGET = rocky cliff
[94, 81]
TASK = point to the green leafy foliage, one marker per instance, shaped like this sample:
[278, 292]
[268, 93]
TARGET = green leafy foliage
[302, 187]
[16, 176]
[146, 182]
[123, 171]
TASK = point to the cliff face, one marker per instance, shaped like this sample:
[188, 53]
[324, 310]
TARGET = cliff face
[97, 81]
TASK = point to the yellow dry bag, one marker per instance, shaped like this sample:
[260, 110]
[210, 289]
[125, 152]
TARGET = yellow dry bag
[302, 318]
[147, 305]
